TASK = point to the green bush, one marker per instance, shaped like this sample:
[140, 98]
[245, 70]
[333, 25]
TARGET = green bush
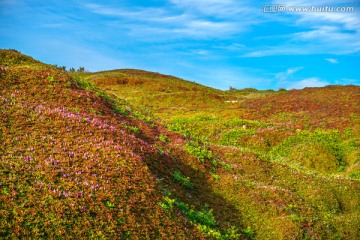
[133, 129]
[226, 166]
[211, 232]
[109, 204]
[203, 217]
[248, 232]
[83, 83]
[179, 127]
[204, 220]
[185, 181]
[196, 150]
[168, 205]
[355, 175]
[163, 138]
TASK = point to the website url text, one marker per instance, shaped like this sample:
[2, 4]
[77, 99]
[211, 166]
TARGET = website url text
[279, 8]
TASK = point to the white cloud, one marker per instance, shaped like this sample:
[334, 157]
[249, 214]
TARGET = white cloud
[283, 76]
[324, 40]
[203, 28]
[285, 49]
[330, 39]
[177, 21]
[321, 32]
[331, 60]
[137, 14]
[285, 79]
[203, 52]
[309, 82]
[349, 20]
[293, 70]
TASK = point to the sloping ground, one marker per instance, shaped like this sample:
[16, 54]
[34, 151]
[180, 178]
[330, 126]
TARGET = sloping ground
[279, 202]
[12, 57]
[264, 122]
[332, 107]
[79, 164]
[313, 134]
[71, 168]
[165, 95]
[148, 82]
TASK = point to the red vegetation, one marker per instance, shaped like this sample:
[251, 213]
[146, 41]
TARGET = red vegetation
[69, 165]
[330, 107]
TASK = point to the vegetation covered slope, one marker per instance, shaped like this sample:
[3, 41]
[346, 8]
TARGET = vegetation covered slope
[72, 167]
[166, 94]
[78, 162]
[290, 158]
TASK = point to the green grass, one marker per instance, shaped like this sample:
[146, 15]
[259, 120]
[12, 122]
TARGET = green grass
[323, 151]
[185, 181]
[204, 220]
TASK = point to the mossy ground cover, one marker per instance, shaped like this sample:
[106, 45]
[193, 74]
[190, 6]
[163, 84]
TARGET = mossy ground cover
[87, 156]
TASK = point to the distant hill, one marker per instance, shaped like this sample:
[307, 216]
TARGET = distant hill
[130, 154]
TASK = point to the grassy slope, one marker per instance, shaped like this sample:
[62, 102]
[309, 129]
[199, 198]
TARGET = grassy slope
[166, 94]
[70, 162]
[313, 133]
[72, 166]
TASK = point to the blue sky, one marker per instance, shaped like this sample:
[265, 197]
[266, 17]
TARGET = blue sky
[218, 43]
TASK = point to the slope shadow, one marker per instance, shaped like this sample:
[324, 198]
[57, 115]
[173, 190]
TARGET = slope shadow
[201, 195]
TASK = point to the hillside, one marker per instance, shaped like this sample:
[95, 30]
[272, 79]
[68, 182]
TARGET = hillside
[129, 154]
[257, 121]
[166, 94]
[71, 164]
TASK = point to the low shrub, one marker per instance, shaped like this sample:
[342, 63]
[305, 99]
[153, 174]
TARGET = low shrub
[185, 181]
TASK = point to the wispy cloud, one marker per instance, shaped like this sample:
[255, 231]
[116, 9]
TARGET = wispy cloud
[323, 40]
[283, 76]
[286, 79]
[332, 60]
[319, 32]
[139, 13]
[192, 19]
[271, 51]
[203, 28]
[309, 82]
[329, 39]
